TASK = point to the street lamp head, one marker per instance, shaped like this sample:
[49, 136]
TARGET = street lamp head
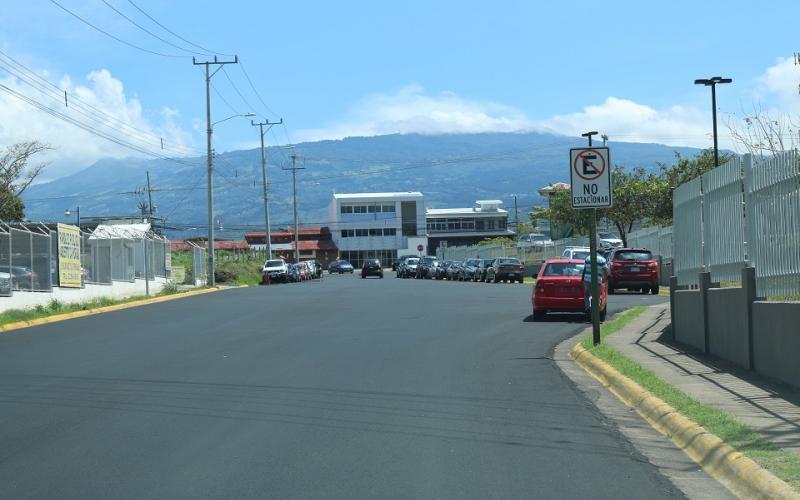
[589, 134]
[702, 81]
[67, 212]
[712, 81]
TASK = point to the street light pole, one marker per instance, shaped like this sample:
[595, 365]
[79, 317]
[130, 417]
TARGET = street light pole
[267, 236]
[594, 284]
[712, 82]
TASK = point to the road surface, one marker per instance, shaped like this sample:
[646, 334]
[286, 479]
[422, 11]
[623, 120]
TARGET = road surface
[345, 388]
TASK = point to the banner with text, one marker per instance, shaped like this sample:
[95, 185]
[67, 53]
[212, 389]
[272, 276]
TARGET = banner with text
[69, 256]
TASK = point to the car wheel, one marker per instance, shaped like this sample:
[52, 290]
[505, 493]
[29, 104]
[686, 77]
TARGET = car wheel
[496, 279]
[521, 280]
[654, 290]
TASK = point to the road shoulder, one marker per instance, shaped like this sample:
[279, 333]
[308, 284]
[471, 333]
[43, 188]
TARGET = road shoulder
[670, 461]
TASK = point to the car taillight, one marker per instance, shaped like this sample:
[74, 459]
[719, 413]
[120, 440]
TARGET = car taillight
[521, 268]
[652, 264]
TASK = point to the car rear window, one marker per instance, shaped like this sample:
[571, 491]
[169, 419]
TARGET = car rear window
[412, 261]
[508, 261]
[580, 255]
[273, 263]
[633, 255]
[563, 269]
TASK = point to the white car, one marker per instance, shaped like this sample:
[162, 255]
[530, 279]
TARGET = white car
[579, 253]
[6, 284]
[276, 269]
[608, 241]
[536, 240]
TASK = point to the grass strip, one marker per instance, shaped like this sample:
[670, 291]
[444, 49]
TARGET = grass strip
[55, 307]
[782, 463]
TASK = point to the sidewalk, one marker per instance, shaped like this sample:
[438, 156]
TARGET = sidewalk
[769, 408]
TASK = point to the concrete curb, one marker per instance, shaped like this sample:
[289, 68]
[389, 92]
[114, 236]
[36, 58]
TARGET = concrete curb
[738, 473]
[89, 312]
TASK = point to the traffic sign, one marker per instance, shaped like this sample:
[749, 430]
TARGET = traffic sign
[590, 175]
[420, 248]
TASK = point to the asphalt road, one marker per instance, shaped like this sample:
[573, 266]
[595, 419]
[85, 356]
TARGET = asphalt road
[345, 388]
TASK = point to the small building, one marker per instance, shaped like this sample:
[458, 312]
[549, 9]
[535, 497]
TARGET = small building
[378, 225]
[466, 226]
[316, 243]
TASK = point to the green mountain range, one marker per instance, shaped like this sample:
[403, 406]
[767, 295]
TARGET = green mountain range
[452, 170]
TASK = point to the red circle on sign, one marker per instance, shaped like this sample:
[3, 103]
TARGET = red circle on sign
[598, 172]
[420, 247]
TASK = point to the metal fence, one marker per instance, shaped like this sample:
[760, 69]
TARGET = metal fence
[199, 264]
[744, 212]
[658, 239]
[29, 254]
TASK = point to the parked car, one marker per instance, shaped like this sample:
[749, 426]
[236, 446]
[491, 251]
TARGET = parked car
[372, 267]
[6, 283]
[453, 271]
[341, 267]
[276, 269]
[24, 278]
[424, 267]
[576, 253]
[634, 269]
[560, 288]
[441, 269]
[480, 274]
[469, 268]
[293, 273]
[536, 240]
[608, 241]
[505, 269]
[314, 267]
[396, 262]
[408, 267]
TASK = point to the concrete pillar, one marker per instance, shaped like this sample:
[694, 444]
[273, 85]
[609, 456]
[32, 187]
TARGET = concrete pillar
[704, 280]
[673, 287]
[749, 289]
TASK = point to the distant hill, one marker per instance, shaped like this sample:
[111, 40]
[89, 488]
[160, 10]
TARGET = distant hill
[452, 170]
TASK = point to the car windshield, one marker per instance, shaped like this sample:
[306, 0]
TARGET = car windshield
[633, 255]
[274, 263]
[580, 255]
[609, 236]
[412, 261]
[508, 261]
[429, 260]
[539, 237]
[563, 269]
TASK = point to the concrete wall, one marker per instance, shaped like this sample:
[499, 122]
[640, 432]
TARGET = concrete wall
[727, 324]
[776, 340]
[119, 290]
[688, 318]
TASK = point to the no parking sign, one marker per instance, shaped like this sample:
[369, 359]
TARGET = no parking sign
[590, 176]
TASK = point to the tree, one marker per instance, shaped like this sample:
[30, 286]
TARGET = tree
[498, 240]
[763, 133]
[635, 195]
[16, 175]
[681, 172]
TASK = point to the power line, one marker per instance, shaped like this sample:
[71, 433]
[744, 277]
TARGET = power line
[175, 34]
[106, 33]
[150, 32]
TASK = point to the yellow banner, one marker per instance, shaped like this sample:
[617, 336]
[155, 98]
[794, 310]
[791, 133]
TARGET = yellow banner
[69, 256]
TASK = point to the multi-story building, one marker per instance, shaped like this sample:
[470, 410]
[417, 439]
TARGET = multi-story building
[466, 226]
[378, 225]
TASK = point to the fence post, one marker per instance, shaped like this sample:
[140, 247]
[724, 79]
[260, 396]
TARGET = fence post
[704, 279]
[673, 287]
[749, 289]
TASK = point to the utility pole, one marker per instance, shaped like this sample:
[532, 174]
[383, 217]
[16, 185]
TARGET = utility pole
[294, 170]
[516, 216]
[210, 168]
[144, 239]
[261, 126]
[594, 285]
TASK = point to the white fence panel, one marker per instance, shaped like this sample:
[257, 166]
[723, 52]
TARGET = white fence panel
[723, 222]
[688, 232]
[773, 224]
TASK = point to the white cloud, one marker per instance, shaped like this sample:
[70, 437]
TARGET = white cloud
[410, 109]
[782, 80]
[628, 121]
[101, 96]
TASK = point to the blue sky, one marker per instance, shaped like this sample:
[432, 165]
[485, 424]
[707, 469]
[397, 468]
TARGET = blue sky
[333, 69]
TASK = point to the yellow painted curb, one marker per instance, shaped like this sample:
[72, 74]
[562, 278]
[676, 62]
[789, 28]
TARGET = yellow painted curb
[738, 473]
[88, 312]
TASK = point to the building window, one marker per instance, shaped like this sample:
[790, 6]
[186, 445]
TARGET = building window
[346, 209]
[375, 232]
[388, 208]
[373, 208]
[347, 233]
[359, 209]
[361, 232]
[390, 232]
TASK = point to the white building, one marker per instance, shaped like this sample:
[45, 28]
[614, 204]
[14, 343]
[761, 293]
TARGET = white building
[378, 225]
[467, 226]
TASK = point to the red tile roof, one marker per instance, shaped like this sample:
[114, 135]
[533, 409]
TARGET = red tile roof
[183, 246]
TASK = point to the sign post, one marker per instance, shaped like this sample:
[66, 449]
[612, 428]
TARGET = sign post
[590, 182]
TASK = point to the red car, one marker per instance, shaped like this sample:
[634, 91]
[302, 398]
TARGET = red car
[634, 269]
[559, 288]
